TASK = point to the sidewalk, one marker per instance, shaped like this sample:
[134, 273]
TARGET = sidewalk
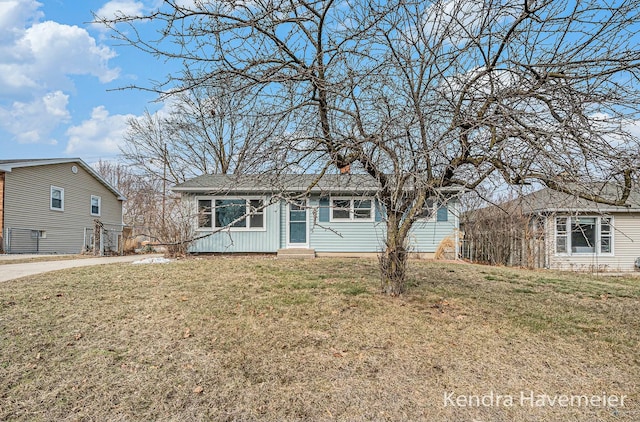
[13, 271]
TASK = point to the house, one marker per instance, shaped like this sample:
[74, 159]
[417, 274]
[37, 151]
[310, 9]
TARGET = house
[51, 206]
[338, 215]
[555, 230]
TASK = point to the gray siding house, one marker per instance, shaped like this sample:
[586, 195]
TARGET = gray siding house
[51, 205]
[339, 215]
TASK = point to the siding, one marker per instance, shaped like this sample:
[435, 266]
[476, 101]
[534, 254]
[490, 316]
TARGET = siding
[355, 236]
[1, 209]
[343, 236]
[27, 200]
[626, 248]
[425, 236]
[265, 241]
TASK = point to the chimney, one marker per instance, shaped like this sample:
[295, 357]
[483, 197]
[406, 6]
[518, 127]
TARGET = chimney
[346, 169]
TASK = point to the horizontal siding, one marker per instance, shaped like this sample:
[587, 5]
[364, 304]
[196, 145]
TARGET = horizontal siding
[27, 196]
[626, 248]
[350, 236]
[344, 236]
[265, 241]
[425, 236]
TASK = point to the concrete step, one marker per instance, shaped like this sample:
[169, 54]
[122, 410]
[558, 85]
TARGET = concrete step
[297, 253]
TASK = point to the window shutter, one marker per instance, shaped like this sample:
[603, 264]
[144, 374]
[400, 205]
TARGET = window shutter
[323, 212]
[443, 213]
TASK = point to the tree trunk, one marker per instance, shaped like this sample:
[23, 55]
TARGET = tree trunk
[393, 261]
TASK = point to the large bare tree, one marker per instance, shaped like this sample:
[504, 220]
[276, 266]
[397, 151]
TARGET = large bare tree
[424, 96]
[208, 127]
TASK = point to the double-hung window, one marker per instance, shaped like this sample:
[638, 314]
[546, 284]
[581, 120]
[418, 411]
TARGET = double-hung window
[349, 209]
[96, 202]
[234, 213]
[428, 210]
[56, 202]
[584, 235]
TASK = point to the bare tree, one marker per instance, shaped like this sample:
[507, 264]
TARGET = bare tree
[142, 193]
[424, 96]
[208, 128]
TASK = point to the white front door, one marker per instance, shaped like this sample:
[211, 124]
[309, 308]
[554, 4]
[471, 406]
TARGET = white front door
[297, 225]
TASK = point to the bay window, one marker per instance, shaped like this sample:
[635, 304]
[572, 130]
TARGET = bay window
[584, 235]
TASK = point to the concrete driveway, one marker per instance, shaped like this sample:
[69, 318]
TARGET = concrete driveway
[13, 271]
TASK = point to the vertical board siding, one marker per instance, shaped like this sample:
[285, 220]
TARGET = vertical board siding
[27, 205]
[226, 241]
[626, 248]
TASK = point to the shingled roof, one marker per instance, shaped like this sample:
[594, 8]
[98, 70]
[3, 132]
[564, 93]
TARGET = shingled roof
[265, 183]
[549, 200]
[277, 183]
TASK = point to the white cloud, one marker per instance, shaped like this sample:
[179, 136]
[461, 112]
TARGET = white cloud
[67, 50]
[101, 134]
[37, 61]
[117, 8]
[31, 122]
[43, 55]
[16, 15]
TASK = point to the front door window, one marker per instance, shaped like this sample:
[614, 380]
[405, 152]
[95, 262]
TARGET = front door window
[298, 222]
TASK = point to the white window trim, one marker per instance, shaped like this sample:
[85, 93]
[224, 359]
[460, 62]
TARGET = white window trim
[570, 220]
[352, 217]
[233, 229]
[99, 205]
[434, 210]
[305, 204]
[51, 207]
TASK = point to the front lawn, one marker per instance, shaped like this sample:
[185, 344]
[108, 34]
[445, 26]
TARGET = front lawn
[260, 339]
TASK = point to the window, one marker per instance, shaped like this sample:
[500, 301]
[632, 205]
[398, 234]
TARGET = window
[57, 199]
[605, 235]
[95, 205]
[584, 235]
[236, 213]
[204, 213]
[362, 209]
[427, 210]
[561, 235]
[351, 209]
[433, 208]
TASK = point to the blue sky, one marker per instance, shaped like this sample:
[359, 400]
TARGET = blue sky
[59, 80]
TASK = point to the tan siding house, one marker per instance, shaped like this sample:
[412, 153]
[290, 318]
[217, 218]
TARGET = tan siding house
[624, 239]
[50, 206]
[575, 234]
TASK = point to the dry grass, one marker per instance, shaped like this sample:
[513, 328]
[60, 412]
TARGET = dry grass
[262, 339]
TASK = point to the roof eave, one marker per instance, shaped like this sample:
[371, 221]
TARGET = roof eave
[8, 167]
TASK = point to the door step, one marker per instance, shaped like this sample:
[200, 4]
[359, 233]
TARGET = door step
[297, 253]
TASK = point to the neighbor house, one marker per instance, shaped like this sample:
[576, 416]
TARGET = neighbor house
[305, 215]
[53, 206]
[556, 230]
